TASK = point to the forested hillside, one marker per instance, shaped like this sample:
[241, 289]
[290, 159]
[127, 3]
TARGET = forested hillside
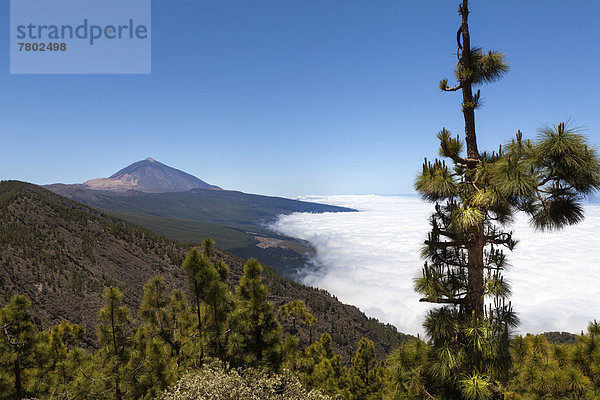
[62, 255]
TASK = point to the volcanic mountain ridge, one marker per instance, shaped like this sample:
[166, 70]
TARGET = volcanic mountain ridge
[149, 176]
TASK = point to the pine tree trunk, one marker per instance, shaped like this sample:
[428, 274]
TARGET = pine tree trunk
[259, 351]
[476, 240]
[116, 349]
[217, 330]
[197, 293]
[18, 384]
[118, 395]
[474, 297]
[468, 106]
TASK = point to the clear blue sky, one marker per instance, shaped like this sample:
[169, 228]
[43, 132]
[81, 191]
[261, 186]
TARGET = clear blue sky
[301, 97]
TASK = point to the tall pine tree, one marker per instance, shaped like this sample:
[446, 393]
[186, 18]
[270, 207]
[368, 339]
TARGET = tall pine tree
[201, 274]
[475, 197]
[256, 337]
[219, 302]
[160, 320]
[319, 367]
[63, 357]
[113, 331]
[366, 374]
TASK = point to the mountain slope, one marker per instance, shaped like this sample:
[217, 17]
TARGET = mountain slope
[62, 254]
[150, 176]
[236, 220]
[226, 207]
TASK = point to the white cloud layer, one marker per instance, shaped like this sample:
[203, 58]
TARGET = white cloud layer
[369, 259]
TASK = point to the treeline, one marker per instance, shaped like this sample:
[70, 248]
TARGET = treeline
[176, 334]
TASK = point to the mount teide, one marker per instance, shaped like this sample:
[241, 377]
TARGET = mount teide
[149, 176]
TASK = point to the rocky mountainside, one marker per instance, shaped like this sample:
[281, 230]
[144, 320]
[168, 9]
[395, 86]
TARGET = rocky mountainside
[149, 176]
[62, 255]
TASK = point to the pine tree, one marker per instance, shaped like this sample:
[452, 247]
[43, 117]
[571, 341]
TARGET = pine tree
[182, 327]
[63, 357]
[220, 302]
[366, 373]
[18, 341]
[256, 337]
[213, 299]
[291, 353]
[201, 274]
[406, 371]
[319, 367]
[208, 248]
[586, 358]
[158, 318]
[475, 198]
[151, 368]
[113, 330]
[296, 309]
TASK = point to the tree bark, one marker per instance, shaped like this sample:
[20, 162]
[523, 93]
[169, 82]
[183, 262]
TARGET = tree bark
[197, 293]
[118, 395]
[18, 384]
[476, 239]
[468, 106]
[259, 348]
[474, 297]
[114, 337]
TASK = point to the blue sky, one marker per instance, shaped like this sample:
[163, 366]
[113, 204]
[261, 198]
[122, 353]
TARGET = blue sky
[301, 97]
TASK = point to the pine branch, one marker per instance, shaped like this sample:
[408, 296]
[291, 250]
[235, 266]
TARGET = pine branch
[443, 245]
[446, 261]
[497, 239]
[451, 89]
[442, 301]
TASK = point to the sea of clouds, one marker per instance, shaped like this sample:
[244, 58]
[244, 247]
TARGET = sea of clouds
[369, 259]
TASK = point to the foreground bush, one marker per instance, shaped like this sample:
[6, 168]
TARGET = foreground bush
[215, 382]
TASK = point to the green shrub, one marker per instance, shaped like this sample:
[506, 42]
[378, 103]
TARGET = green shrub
[215, 382]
